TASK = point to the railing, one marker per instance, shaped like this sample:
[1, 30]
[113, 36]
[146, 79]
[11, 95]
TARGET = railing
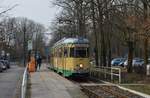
[105, 71]
[24, 84]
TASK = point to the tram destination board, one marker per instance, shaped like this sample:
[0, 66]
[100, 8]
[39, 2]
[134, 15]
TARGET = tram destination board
[108, 91]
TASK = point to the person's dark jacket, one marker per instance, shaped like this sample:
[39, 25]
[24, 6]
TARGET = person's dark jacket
[39, 60]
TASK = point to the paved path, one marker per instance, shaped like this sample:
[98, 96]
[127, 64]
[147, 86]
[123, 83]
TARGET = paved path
[10, 80]
[47, 84]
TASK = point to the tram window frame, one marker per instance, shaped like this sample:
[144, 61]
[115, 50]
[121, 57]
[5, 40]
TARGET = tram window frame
[66, 51]
[87, 52]
[72, 54]
[60, 52]
[54, 53]
[57, 53]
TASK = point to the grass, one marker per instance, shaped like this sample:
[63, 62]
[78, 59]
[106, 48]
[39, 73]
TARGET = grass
[133, 78]
[137, 82]
[141, 88]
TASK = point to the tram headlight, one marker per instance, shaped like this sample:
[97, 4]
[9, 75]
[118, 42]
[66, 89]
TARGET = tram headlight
[81, 65]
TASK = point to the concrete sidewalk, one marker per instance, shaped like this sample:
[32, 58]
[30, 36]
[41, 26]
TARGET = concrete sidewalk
[10, 82]
[47, 84]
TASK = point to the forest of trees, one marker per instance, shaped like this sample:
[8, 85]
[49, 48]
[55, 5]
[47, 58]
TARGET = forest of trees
[15, 33]
[118, 28]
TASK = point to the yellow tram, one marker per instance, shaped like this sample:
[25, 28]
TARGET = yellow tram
[70, 57]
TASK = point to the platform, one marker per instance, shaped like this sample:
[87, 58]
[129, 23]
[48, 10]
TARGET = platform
[47, 84]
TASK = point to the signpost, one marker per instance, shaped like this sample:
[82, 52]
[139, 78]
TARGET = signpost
[30, 48]
[30, 45]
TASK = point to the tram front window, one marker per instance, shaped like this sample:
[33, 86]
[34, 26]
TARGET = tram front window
[79, 52]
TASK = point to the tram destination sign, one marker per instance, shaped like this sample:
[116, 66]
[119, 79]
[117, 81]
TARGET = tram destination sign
[81, 45]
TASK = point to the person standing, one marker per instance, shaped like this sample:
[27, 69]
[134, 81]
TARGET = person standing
[39, 62]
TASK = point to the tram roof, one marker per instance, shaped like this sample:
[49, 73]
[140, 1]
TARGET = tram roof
[72, 41]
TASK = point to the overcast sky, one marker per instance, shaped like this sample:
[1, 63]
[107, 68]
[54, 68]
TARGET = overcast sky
[40, 11]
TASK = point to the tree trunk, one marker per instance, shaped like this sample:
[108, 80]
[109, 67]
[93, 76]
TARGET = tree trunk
[102, 35]
[145, 5]
[145, 53]
[95, 34]
[130, 57]
[109, 53]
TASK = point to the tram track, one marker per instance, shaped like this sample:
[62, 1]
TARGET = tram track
[94, 89]
[83, 81]
[108, 91]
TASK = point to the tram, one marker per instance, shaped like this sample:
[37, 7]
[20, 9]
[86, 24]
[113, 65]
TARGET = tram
[70, 57]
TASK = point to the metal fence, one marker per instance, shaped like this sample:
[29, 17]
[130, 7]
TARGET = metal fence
[24, 83]
[106, 73]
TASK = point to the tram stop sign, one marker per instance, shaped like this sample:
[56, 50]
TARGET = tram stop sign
[30, 47]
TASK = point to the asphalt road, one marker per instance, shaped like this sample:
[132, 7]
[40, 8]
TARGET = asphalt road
[10, 81]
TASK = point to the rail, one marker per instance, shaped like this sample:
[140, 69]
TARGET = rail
[112, 71]
[24, 83]
[109, 91]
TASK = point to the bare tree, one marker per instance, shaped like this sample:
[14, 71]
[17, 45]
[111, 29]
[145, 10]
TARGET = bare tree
[117, 25]
[17, 31]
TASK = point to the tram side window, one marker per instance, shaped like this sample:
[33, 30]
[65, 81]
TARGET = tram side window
[72, 52]
[65, 52]
[88, 52]
[60, 52]
[55, 54]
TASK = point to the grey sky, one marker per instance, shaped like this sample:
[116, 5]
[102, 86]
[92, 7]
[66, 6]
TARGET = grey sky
[40, 11]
